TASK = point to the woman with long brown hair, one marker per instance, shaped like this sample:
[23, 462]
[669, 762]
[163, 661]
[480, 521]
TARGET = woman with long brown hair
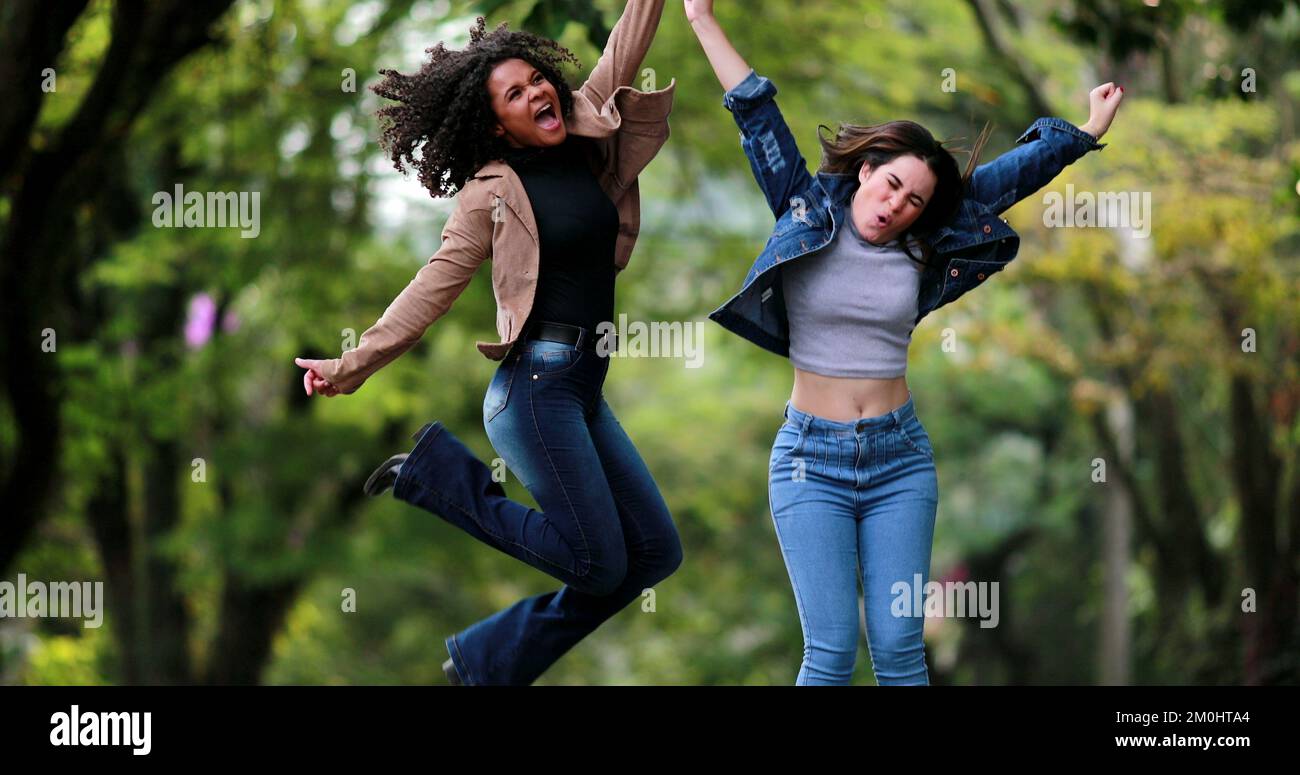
[886, 232]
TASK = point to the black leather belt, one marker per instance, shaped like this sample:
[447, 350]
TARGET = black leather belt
[582, 338]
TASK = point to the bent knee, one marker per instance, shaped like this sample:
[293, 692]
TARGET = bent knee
[603, 575]
[670, 556]
[660, 558]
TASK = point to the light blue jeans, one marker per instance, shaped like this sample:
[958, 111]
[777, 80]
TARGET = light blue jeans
[856, 500]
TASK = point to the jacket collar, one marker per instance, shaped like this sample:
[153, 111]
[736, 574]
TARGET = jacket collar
[585, 120]
[839, 186]
[589, 120]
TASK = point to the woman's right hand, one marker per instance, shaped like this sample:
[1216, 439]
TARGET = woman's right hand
[312, 380]
[698, 9]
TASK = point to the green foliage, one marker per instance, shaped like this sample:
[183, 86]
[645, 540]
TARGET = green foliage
[1010, 411]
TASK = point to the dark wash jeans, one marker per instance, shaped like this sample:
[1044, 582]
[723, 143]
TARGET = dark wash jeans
[603, 529]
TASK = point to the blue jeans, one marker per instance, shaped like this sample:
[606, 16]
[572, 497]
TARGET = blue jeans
[847, 496]
[603, 528]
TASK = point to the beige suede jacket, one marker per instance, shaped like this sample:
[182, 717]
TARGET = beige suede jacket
[494, 220]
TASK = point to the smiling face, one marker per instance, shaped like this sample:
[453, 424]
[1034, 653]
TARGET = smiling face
[891, 197]
[527, 105]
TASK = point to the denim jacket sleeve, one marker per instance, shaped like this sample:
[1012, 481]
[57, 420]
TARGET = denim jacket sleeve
[1046, 148]
[773, 156]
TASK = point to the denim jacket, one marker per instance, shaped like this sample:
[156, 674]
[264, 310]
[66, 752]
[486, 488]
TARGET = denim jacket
[969, 248]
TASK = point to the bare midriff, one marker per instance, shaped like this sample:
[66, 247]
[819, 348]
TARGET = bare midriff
[845, 399]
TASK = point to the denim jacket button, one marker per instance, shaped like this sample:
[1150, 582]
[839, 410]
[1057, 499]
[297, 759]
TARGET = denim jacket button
[979, 276]
[953, 273]
[987, 228]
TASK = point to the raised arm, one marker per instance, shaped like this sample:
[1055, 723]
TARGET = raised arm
[728, 64]
[774, 157]
[466, 242]
[1046, 148]
[625, 50]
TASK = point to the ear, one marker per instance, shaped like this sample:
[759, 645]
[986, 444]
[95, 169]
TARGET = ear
[864, 172]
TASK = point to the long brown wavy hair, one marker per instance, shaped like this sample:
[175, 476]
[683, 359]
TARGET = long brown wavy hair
[854, 145]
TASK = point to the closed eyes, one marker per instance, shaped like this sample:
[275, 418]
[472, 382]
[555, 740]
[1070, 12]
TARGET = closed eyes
[914, 199]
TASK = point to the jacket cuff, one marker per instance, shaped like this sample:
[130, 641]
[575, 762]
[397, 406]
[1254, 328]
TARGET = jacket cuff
[752, 91]
[1087, 141]
[330, 370]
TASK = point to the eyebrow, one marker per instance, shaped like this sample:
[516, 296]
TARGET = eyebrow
[912, 193]
[516, 85]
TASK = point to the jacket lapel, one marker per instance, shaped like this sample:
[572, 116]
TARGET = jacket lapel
[503, 182]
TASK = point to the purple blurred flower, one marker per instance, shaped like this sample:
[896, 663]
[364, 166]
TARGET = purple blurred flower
[202, 318]
[229, 321]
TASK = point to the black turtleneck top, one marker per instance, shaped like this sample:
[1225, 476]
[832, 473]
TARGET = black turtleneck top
[577, 226]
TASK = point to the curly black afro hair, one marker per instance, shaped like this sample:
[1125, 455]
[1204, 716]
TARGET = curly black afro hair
[442, 125]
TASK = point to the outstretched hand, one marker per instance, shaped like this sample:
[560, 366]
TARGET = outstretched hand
[1103, 102]
[313, 381]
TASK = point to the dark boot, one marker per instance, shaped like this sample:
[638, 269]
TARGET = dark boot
[386, 474]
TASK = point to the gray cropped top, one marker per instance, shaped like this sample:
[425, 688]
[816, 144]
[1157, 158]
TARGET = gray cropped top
[852, 307]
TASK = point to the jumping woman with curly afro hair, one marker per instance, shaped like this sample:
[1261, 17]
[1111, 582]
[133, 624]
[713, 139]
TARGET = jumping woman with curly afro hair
[545, 182]
[444, 124]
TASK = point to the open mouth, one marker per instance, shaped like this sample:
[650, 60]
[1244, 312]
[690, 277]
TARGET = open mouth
[882, 222]
[547, 118]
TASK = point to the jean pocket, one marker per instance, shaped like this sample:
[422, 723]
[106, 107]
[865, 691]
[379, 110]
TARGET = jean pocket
[554, 359]
[788, 443]
[498, 392]
[914, 435]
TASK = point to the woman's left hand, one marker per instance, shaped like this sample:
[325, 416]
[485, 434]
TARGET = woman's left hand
[1103, 102]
